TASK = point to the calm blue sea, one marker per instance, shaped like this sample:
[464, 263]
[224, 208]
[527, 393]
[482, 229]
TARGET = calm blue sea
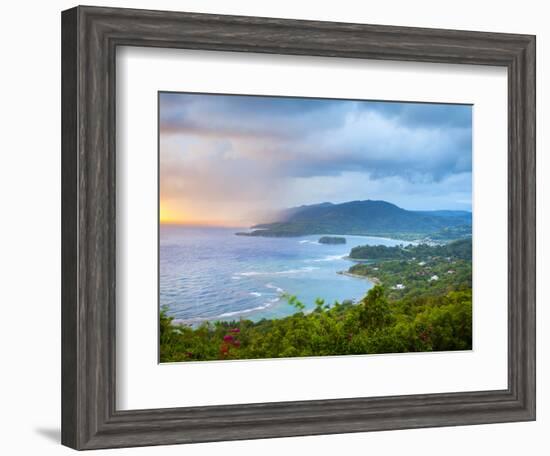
[212, 274]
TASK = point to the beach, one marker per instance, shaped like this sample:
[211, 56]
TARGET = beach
[374, 280]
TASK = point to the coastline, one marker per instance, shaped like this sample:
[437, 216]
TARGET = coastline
[196, 322]
[374, 280]
[252, 279]
[358, 260]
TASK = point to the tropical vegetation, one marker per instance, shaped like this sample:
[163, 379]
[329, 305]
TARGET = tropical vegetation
[423, 302]
[375, 325]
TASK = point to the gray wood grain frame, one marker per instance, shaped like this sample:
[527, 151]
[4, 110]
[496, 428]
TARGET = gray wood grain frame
[90, 36]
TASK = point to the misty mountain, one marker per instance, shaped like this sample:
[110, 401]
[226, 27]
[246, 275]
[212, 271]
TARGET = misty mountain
[367, 218]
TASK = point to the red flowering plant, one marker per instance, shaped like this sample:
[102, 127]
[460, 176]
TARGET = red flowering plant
[229, 343]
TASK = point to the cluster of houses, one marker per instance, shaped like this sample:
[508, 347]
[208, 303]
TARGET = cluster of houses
[433, 278]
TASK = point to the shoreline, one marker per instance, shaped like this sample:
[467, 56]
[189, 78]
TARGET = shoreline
[360, 260]
[374, 280]
[196, 322]
[274, 311]
[199, 321]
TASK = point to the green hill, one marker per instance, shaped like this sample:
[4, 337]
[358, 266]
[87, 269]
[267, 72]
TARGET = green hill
[368, 217]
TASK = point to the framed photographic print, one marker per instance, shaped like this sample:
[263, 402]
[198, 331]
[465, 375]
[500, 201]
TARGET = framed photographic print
[267, 249]
[280, 228]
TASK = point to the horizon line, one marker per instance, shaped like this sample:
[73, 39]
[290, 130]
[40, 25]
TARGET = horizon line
[202, 224]
[210, 223]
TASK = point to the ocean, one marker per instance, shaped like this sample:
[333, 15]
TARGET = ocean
[209, 274]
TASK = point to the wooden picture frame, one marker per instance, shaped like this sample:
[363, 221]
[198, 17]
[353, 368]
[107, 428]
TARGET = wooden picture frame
[90, 36]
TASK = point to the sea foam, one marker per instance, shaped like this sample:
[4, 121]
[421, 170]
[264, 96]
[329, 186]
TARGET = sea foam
[286, 271]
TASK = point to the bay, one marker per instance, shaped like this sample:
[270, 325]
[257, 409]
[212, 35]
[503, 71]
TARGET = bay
[209, 273]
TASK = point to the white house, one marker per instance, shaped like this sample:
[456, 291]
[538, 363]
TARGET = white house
[434, 277]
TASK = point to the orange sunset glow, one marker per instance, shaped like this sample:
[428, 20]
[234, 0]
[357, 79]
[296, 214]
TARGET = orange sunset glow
[170, 215]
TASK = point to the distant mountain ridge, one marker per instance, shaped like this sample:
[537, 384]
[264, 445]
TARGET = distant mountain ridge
[447, 213]
[368, 217]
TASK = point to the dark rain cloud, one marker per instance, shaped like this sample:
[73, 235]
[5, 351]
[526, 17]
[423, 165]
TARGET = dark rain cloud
[225, 137]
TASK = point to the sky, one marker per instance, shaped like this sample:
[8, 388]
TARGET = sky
[233, 160]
